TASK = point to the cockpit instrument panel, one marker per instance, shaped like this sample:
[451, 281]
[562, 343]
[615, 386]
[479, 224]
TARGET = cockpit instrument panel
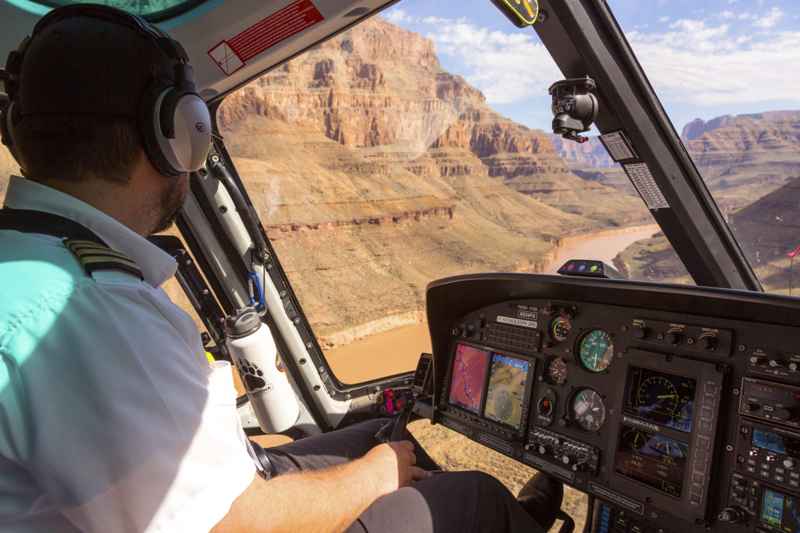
[662, 404]
[661, 398]
[596, 351]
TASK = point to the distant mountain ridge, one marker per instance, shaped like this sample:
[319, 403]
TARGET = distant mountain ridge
[591, 154]
[751, 163]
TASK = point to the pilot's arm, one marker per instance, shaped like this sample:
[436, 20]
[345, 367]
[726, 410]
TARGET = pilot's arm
[109, 408]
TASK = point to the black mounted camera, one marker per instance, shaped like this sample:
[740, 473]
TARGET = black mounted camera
[575, 107]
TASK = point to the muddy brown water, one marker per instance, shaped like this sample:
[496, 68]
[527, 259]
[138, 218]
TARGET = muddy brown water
[397, 351]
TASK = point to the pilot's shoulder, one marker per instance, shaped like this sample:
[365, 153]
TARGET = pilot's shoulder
[103, 263]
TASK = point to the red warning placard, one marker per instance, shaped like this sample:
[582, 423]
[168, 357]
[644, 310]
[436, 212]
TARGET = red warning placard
[232, 54]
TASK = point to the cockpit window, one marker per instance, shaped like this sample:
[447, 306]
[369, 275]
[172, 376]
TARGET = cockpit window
[416, 146]
[153, 10]
[725, 72]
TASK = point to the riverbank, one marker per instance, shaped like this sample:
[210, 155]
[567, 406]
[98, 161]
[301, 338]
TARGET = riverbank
[599, 245]
[381, 348]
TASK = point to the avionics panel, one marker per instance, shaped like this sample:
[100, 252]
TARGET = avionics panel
[636, 390]
[491, 388]
[665, 438]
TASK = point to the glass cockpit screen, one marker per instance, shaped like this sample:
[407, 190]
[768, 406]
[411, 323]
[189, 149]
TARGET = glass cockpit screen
[780, 511]
[505, 396]
[470, 365]
[653, 459]
[661, 398]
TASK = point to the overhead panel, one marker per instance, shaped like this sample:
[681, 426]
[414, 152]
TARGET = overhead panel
[228, 43]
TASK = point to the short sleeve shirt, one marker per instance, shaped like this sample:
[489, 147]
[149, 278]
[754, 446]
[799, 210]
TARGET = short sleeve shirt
[111, 418]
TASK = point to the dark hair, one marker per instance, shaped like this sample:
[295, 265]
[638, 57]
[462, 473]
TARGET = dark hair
[75, 147]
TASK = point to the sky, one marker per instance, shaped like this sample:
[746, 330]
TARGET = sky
[705, 58]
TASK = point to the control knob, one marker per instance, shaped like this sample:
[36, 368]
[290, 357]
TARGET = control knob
[709, 342]
[788, 463]
[774, 363]
[731, 515]
[640, 332]
[674, 337]
[542, 449]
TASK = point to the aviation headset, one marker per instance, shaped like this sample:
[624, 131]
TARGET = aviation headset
[172, 120]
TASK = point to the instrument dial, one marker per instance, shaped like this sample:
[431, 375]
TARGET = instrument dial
[659, 395]
[596, 351]
[557, 371]
[588, 410]
[560, 328]
[634, 439]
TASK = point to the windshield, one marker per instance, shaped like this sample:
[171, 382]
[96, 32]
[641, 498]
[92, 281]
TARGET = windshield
[724, 71]
[153, 10]
[417, 146]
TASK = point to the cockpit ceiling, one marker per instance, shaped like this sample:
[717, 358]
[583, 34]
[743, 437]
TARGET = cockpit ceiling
[229, 42]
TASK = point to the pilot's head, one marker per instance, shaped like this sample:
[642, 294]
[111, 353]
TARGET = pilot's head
[99, 95]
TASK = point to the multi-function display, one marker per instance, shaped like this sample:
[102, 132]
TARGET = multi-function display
[775, 442]
[506, 392]
[501, 397]
[661, 398]
[469, 376]
[780, 511]
[653, 459]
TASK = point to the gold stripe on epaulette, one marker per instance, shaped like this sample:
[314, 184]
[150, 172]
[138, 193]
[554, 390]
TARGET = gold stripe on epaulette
[93, 257]
[88, 252]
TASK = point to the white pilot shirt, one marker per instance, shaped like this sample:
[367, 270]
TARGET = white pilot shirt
[111, 418]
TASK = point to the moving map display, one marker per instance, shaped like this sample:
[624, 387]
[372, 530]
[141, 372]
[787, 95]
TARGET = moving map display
[470, 365]
[505, 396]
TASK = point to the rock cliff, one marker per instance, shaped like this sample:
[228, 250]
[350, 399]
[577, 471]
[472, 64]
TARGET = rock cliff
[744, 157]
[751, 163]
[376, 171]
[591, 154]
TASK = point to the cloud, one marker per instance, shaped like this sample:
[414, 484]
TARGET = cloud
[398, 16]
[701, 64]
[506, 67]
[771, 19]
[696, 62]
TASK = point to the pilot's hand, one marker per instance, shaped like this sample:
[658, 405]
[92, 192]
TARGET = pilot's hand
[391, 466]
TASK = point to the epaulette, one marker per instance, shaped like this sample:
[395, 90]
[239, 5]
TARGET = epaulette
[93, 257]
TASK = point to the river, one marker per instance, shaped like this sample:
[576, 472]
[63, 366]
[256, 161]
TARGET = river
[398, 350]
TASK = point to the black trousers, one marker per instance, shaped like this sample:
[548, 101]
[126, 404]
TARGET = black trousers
[449, 502]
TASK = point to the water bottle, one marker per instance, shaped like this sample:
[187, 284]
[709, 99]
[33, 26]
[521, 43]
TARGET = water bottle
[254, 354]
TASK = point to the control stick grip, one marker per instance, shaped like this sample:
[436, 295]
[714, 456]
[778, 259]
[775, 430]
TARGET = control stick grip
[400, 429]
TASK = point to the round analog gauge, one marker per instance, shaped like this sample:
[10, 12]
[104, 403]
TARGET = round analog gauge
[557, 371]
[588, 410]
[634, 439]
[560, 328]
[596, 351]
[658, 394]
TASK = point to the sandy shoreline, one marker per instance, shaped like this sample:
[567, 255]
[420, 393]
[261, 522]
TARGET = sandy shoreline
[397, 349]
[600, 245]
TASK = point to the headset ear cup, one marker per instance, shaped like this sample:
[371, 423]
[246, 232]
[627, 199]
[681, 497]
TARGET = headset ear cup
[192, 140]
[187, 143]
[150, 129]
[7, 131]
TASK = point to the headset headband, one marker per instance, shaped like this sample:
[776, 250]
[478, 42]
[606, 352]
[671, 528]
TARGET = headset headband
[168, 45]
